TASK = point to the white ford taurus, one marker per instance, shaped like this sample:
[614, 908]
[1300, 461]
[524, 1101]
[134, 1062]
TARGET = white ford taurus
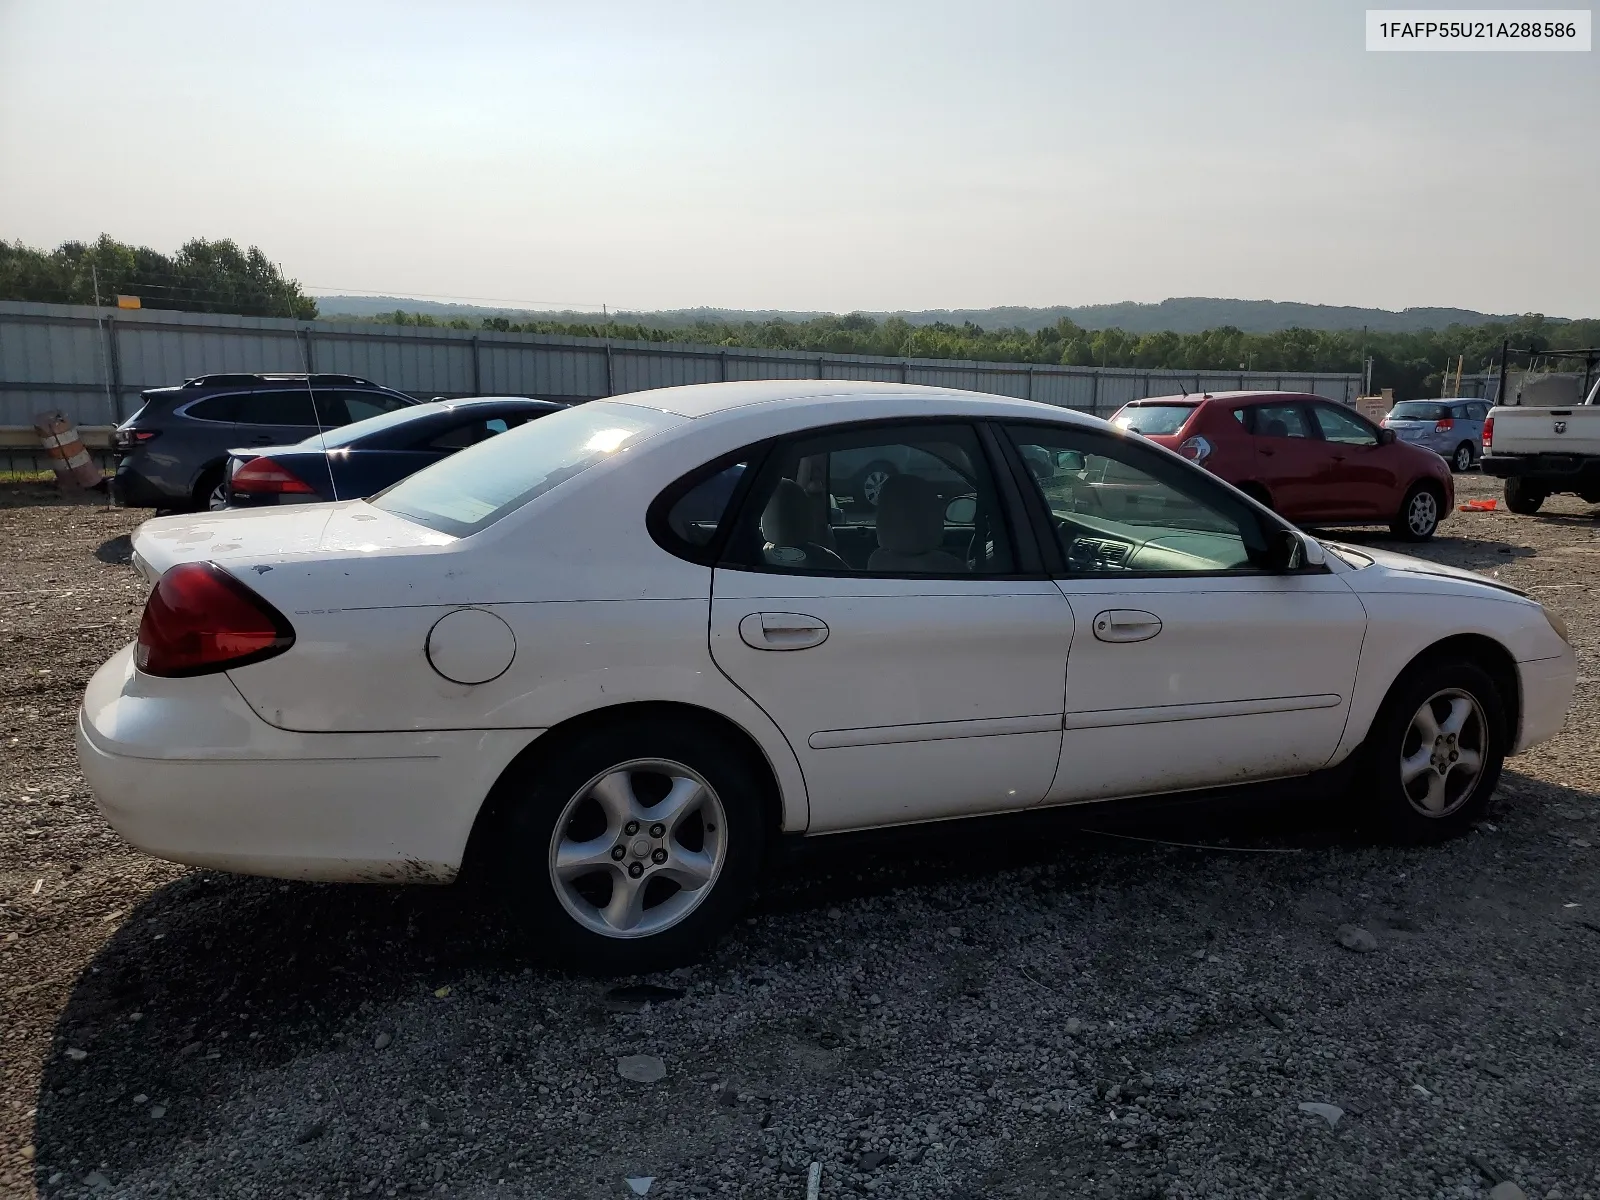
[621, 649]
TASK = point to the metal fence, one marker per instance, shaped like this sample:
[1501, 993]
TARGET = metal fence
[92, 363]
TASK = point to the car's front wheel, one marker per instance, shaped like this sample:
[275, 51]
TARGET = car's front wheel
[211, 493]
[1435, 751]
[636, 845]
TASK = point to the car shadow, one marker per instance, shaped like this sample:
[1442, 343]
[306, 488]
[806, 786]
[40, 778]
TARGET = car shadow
[117, 551]
[262, 972]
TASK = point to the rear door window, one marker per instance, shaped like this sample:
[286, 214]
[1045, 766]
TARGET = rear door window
[277, 406]
[1282, 421]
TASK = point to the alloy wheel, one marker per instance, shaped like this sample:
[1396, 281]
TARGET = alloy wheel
[1443, 753]
[217, 498]
[1463, 458]
[1422, 514]
[872, 485]
[638, 848]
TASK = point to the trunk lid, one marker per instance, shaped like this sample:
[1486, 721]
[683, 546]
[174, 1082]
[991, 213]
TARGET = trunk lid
[240, 539]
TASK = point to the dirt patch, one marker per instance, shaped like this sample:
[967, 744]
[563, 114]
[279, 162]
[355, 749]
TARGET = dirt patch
[1058, 1014]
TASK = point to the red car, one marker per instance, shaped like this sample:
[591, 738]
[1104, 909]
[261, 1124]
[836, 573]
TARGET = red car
[1313, 461]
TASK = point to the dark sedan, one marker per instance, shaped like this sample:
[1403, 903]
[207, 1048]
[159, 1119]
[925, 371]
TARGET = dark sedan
[367, 456]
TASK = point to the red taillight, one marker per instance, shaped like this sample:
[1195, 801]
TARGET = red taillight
[1444, 425]
[1488, 433]
[200, 619]
[262, 476]
[126, 439]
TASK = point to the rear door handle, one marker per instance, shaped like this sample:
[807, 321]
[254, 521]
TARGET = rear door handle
[1126, 625]
[782, 631]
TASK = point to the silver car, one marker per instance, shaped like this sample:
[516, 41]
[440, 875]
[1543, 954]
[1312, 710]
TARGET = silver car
[1453, 429]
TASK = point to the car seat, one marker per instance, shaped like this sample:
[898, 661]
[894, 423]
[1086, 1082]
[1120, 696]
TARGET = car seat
[910, 521]
[786, 524]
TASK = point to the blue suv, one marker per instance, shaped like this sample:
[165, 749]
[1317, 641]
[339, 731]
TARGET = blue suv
[174, 450]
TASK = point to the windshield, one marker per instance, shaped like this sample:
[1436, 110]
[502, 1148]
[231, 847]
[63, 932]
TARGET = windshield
[356, 430]
[474, 488]
[1154, 418]
[1418, 410]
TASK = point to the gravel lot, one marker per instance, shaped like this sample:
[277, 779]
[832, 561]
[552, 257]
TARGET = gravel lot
[1036, 1013]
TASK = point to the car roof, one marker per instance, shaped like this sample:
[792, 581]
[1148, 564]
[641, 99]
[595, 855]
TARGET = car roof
[700, 400]
[1199, 397]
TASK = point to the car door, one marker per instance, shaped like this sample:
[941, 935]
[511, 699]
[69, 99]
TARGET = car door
[1192, 663]
[925, 678]
[276, 416]
[1289, 456]
[1360, 479]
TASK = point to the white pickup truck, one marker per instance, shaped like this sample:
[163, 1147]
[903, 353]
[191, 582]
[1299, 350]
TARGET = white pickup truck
[1540, 451]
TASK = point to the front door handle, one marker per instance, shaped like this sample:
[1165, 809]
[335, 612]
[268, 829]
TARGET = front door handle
[782, 631]
[1265, 453]
[1126, 625]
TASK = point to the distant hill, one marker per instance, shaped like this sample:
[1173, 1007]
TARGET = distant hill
[1185, 314]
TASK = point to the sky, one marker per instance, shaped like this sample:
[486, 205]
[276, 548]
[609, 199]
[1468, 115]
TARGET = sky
[873, 155]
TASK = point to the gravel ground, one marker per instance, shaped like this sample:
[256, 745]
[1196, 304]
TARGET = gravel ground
[1006, 1012]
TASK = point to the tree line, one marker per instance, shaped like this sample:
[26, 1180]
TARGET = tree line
[203, 276]
[1414, 364]
[219, 277]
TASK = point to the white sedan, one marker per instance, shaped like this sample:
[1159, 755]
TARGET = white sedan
[616, 653]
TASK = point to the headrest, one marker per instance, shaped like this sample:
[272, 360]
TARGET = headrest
[910, 515]
[786, 521]
[1276, 428]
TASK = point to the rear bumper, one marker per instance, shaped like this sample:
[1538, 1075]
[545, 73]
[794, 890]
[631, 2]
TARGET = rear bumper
[131, 488]
[186, 771]
[1566, 467]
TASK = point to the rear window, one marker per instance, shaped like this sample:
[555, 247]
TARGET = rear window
[472, 490]
[1154, 418]
[361, 429]
[1418, 410]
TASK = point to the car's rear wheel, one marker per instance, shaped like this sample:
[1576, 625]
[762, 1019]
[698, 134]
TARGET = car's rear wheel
[1461, 460]
[1419, 513]
[1524, 496]
[1435, 751]
[635, 847]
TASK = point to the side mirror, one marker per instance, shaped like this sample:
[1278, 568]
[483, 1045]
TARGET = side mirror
[963, 510]
[1069, 460]
[1385, 437]
[1292, 550]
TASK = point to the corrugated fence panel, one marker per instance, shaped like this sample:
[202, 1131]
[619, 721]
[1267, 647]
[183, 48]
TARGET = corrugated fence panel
[748, 365]
[55, 356]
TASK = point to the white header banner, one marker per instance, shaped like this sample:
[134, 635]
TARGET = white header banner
[1483, 29]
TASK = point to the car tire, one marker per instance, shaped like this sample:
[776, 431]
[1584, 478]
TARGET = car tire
[1420, 513]
[1461, 461]
[210, 493]
[1460, 705]
[869, 484]
[593, 804]
[1524, 497]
